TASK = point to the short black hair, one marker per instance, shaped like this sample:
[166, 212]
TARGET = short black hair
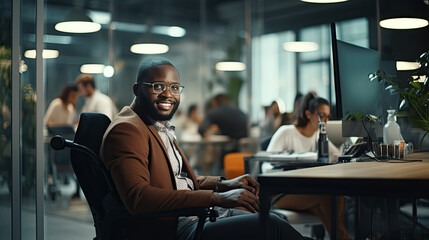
[147, 65]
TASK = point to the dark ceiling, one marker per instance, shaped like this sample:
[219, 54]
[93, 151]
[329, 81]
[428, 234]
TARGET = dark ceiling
[217, 18]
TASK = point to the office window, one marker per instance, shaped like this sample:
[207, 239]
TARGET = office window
[277, 73]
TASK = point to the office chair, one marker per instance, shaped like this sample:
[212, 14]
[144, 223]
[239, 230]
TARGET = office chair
[107, 209]
[233, 164]
[59, 164]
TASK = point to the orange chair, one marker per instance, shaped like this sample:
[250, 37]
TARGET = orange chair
[233, 164]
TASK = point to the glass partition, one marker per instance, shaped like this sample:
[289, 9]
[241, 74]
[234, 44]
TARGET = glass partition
[5, 119]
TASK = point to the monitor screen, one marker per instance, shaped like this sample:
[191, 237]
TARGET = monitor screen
[355, 93]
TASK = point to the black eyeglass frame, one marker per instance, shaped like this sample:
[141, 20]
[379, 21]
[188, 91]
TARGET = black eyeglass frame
[322, 116]
[181, 87]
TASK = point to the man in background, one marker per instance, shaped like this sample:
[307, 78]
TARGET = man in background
[229, 120]
[95, 101]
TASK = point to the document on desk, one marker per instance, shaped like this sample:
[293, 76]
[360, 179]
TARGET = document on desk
[309, 156]
[297, 156]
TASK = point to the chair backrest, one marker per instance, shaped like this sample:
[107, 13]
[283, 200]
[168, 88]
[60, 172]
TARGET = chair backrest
[233, 164]
[92, 175]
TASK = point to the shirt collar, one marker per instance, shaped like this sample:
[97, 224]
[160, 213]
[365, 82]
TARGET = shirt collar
[168, 127]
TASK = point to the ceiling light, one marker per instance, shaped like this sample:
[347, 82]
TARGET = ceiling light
[46, 54]
[172, 31]
[149, 48]
[324, 1]
[92, 68]
[108, 71]
[77, 22]
[404, 23]
[130, 27]
[230, 66]
[300, 46]
[404, 66]
[419, 78]
[99, 16]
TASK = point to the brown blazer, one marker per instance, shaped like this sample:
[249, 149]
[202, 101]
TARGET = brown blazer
[137, 159]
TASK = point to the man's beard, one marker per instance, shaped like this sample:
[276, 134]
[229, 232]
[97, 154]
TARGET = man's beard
[152, 112]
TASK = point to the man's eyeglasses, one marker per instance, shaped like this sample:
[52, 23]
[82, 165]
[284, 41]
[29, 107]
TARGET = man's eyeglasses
[160, 87]
[323, 117]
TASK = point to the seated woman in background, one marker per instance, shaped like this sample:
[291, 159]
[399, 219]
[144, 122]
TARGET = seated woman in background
[302, 137]
[61, 110]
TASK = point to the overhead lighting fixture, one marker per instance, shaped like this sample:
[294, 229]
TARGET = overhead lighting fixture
[403, 14]
[404, 23]
[108, 71]
[230, 66]
[172, 31]
[324, 1]
[92, 68]
[420, 78]
[300, 46]
[99, 16]
[405, 66]
[46, 54]
[77, 22]
[149, 48]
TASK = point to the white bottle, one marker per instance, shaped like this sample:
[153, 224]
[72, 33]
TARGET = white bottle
[391, 130]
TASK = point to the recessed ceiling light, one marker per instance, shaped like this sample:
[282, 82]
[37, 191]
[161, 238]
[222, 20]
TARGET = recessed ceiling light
[404, 23]
[404, 65]
[324, 1]
[300, 46]
[149, 48]
[230, 66]
[92, 68]
[46, 54]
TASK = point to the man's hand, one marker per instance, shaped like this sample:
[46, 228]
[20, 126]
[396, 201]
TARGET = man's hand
[245, 181]
[236, 198]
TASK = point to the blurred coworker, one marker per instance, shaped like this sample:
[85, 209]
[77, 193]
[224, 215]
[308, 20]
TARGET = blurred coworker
[193, 120]
[302, 137]
[227, 119]
[95, 101]
[61, 110]
[273, 118]
[288, 118]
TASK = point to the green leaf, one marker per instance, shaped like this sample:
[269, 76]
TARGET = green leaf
[419, 122]
[416, 85]
[402, 114]
[403, 104]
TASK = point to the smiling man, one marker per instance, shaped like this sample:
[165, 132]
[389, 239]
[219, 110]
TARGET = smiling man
[151, 172]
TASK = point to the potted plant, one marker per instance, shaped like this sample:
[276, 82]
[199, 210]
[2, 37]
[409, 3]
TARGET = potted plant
[414, 94]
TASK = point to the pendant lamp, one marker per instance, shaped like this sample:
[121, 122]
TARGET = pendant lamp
[77, 21]
[399, 14]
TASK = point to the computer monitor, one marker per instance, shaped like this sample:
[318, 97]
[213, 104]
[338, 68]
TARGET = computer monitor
[354, 92]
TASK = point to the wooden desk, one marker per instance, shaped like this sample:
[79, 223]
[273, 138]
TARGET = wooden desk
[383, 179]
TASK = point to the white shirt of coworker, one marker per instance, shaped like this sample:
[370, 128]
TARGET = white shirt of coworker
[58, 115]
[287, 137]
[100, 103]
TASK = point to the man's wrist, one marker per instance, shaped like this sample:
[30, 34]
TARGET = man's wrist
[220, 179]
